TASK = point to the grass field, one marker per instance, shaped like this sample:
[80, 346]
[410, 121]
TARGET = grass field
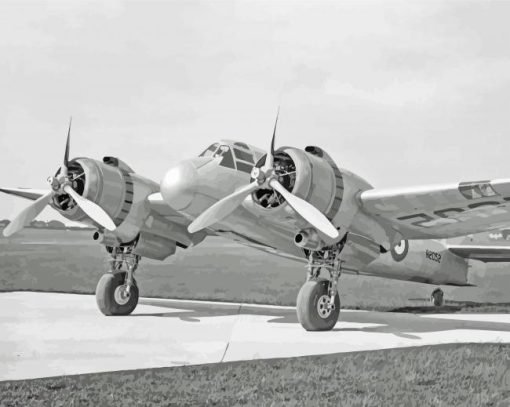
[70, 261]
[444, 375]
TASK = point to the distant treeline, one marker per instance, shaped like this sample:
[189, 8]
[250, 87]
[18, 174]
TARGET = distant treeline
[40, 224]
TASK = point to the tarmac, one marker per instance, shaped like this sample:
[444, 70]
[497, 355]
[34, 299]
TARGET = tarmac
[50, 334]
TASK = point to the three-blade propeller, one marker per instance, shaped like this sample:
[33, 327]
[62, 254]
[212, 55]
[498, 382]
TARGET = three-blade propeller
[265, 177]
[61, 184]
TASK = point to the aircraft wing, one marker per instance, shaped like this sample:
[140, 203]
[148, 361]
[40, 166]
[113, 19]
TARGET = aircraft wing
[441, 211]
[156, 202]
[487, 254]
[27, 193]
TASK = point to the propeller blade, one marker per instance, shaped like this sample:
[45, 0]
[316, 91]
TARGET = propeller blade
[270, 154]
[309, 212]
[65, 165]
[91, 209]
[27, 215]
[222, 208]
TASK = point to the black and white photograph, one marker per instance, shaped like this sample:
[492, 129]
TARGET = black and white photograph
[255, 203]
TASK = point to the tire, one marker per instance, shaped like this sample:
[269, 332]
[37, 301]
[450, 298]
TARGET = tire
[105, 295]
[307, 310]
[437, 297]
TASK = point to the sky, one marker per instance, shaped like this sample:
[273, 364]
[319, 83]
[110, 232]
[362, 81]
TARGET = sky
[401, 93]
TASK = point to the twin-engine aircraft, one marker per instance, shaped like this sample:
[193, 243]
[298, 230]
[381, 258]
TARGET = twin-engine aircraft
[289, 202]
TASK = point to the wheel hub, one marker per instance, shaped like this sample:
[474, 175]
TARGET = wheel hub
[121, 294]
[324, 306]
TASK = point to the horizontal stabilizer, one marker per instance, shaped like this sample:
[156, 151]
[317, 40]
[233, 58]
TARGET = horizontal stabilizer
[487, 254]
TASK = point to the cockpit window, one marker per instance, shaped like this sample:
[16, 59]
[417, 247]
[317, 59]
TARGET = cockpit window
[208, 152]
[243, 145]
[242, 166]
[242, 155]
[236, 156]
[228, 158]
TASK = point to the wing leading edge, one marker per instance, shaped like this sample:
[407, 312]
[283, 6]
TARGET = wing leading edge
[441, 211]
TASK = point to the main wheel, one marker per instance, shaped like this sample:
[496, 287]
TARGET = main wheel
[112, 297]
[312, 310]
[437, 297]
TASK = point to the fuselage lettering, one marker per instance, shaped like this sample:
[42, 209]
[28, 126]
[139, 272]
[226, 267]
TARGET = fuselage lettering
[421, 219]
[434, 256]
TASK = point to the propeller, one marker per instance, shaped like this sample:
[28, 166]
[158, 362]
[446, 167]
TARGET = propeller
[61, 184]
[265, 177]
[93, 210]
[65, 165]
[28, 214]
[269, 163]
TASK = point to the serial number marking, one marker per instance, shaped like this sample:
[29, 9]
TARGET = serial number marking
[434, 256]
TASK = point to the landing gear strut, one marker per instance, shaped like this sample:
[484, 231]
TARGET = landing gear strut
[116, 291]
[318, 302]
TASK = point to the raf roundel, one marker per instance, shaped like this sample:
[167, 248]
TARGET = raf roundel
[399, 251]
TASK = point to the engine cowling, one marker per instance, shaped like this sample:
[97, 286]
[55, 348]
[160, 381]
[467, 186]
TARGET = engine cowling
[306, 175]
[112, 185]
[312, 175]
[154, 246]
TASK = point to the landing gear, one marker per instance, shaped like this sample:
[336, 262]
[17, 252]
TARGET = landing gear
[113, 297]
[437, 297]
[314, 310]
[117, 291]
[318, 302]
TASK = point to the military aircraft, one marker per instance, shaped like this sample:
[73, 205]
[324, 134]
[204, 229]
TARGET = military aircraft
[288, 201]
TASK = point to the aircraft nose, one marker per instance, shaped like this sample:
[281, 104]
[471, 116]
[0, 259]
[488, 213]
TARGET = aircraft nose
[178, 186]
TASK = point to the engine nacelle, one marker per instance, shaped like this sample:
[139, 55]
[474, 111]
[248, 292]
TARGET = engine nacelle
[306, 175]
[113, 186]
[313, 176]
[154, 246]
[146, 244]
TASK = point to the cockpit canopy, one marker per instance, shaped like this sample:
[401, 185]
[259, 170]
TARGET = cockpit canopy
[234, 155]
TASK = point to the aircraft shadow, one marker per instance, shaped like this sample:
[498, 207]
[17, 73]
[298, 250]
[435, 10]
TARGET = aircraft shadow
[398, 323]
[445, 309]
[193, 311]
[408, 325]
[455, 306]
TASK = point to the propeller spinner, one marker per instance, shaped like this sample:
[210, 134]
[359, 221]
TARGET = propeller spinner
[60, 184]
[264, 177]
